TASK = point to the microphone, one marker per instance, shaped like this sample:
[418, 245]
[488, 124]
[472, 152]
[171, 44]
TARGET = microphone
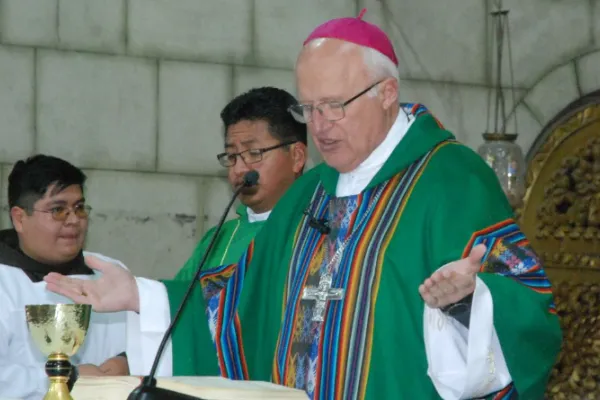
[250, 179]
[147, 389]
[318, 224]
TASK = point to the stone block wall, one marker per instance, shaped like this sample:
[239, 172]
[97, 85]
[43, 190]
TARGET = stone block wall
[130, 90]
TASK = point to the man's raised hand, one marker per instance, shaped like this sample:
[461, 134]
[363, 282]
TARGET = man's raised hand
[114, 290]
[454, 282]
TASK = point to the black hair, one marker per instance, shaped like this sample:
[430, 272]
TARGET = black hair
[268, 104]
[30, 179]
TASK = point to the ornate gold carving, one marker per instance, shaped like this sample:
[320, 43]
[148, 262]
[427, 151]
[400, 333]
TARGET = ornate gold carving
[571, 260]
[576, 374]
[585, 117]
[561, 218]
[561, 211]
[572, 198]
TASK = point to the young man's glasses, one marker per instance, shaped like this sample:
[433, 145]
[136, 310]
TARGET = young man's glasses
[61, 213]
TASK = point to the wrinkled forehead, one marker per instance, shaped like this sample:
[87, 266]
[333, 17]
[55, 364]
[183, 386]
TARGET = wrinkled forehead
[329, 71]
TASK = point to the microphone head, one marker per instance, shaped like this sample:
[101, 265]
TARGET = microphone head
[251, 178]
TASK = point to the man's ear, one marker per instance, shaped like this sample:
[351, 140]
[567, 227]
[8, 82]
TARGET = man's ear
[299, 157]
[16, 215]
[389, 93]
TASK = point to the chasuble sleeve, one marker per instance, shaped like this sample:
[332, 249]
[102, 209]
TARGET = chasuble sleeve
[512, 294]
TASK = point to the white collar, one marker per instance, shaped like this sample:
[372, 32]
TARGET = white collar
[353, 182]
[256, 217]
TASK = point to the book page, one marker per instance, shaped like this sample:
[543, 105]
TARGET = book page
[209, 388]
[219, 382]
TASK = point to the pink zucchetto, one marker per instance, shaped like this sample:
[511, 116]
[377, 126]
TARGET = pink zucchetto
[358, 31]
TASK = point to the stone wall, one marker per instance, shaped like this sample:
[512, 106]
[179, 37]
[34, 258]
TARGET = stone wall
[130, 91]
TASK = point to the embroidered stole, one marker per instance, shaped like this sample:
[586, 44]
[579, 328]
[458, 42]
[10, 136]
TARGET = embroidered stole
[222, 287]
[331, 359]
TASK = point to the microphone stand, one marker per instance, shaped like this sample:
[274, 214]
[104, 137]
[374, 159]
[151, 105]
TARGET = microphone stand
[147, 389]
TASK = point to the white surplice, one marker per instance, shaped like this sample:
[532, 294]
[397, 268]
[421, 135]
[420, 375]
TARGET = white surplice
[463, 363]
[22, 374]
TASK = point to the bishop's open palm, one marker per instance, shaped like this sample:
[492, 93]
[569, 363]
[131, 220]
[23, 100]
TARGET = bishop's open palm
[454, 281]
[115, 290]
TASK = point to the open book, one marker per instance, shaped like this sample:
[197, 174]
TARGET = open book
[210, 388]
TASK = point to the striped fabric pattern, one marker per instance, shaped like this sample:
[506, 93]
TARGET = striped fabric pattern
[222, 287]
[344, 340]
[509, 254]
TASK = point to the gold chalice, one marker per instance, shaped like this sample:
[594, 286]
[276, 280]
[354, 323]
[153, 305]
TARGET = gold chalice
[58, 331]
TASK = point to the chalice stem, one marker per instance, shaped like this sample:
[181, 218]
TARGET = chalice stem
[58, 369]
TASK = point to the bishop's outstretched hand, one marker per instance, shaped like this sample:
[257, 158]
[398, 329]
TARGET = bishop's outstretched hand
[114, 290]
[454, 282]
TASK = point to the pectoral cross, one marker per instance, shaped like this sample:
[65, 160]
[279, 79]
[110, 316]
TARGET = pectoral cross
[321, 295]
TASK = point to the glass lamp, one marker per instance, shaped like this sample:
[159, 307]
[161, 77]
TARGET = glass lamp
[506, 158]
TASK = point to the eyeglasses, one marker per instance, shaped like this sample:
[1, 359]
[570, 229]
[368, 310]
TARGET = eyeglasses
[330, 110]
[60, 213]
[250, 156]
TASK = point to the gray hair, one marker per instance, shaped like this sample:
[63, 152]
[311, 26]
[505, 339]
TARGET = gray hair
[378, 65]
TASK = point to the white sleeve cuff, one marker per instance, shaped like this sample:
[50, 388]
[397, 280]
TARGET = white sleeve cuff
[465, 363]
[146, 330]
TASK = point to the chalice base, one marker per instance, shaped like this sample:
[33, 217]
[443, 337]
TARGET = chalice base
[58, 369]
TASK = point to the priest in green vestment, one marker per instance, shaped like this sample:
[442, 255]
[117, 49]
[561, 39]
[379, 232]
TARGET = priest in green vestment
[394, 270]
[256, 122]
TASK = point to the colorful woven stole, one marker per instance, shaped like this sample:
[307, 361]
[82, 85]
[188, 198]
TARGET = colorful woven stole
[330, 359]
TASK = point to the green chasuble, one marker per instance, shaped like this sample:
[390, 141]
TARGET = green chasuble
[431, 202]
[233, 240]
